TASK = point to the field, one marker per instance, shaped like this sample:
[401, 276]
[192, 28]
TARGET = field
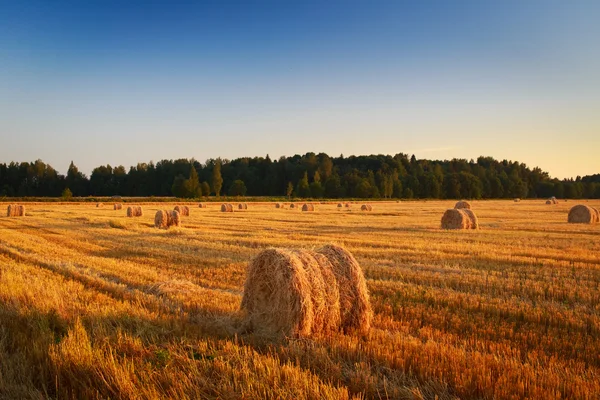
[97, 305]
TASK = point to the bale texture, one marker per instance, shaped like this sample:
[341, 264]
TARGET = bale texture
[15, 210]
[292, 205]
[278, 205]
[184, 211]
[226, 207]
[456, 219]
[340, 205]
[549, 202]
[462, 204]
[308, 207]
[166, 218]
[474, 222]
[347, 205]
[201, 205]
[242, 206]
[597, 214]
[582, 214]
[300, 293]
[366, 207]
[118, 206]
[98, 205]
[135, 211]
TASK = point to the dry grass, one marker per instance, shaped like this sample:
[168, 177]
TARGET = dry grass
[507, 311]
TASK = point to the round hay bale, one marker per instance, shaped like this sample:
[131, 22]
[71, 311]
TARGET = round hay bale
[347, 205]
[292, 205]
[161, 219]
[462, 204]
[184, 211]
[201, 205]
[455, 219]
[174, 218]
[278, 205]
[242, 206]
[308, 207]
[582, 214]
[517, 200]
[98, 205]
[226, 207]
[130, 212]
[299, 293]
[15, 210]
[355, 306]
[366, 207]
[474, 222]
[597, 213]
[118, 206]
[340, 205]
[549, 202]
[179, 209]
[139, 211]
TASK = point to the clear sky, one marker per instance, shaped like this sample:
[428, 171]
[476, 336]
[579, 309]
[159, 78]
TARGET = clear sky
[122, 82]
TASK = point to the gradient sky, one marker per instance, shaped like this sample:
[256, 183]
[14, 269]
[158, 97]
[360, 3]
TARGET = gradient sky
[122, 82]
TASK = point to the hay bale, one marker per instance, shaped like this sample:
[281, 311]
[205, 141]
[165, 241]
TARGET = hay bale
[166, 218]
[184, 211]
[98, 205]
[299, 293]
[472, 218]
[549, 202]
[226, 207]
[135, 211]
[130, 211]
[340, 205]
[201, 205]
[292, 205]
[366, 207]
[118, 206]
[597, 213]
[462, 204]
[347, 205]
[243, 206]
[15, 210]
[517, 200]
[456, 219]
[582, 214]
[308, 207]
[278, 205]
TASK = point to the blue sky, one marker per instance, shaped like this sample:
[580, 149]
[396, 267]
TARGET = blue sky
[122, 82]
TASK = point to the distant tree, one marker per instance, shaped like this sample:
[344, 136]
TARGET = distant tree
[191, 186]
[316, 190]
[333, 187]
[217, 179]
[76, 180]
[237, 188]
[178, 187]
[67, 194]
[303, 189]
[289, 190]
[205, 188]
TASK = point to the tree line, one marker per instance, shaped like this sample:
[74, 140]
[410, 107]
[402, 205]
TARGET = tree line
[309, 175]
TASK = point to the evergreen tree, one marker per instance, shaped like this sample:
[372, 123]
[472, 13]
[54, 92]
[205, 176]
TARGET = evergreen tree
[303, 189]
[217, 179]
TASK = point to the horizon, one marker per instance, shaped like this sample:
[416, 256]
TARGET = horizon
[105, 82]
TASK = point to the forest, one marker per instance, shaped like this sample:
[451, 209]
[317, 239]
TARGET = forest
[306, 176]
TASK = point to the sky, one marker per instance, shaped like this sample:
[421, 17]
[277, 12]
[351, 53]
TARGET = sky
[122, 82]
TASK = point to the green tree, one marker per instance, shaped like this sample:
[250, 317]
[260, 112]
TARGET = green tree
[237, 188]
[191, 186]
[217, 179]
[333, 187]
[303, 189]
[205, 188]
[67, 194]
[289, 190]
[178, 187]
[316, 190]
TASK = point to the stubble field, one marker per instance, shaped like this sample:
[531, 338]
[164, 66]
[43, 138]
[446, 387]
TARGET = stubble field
[97, 305]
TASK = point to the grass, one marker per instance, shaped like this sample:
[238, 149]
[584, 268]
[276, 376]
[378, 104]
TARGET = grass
[90, 311]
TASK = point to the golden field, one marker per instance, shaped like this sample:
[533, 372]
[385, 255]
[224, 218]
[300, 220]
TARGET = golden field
[97, 305]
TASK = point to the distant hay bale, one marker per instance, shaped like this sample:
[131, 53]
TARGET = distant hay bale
[308, 207]
[549, 202]
[582, 214]
[278, 205]
[554, 201]
[166, 218]
[366, 207]
[98, 205]
[226, 207]
[340, 205]
[300, 293]
[201, 205]
[184, 211]
[517, 200]
[135, 211]
[15, 210]
[347, 205]
[243, 206]
[472, 218]
[292, 205]
[462, 204]
[456, 219]
[118, 206]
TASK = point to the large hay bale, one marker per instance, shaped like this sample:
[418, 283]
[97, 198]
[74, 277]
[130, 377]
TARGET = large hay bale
[135, 211]
[226, 207]
[366, 207]
[472, 218]
[462, 204]
[243, 206]
[456, 219]
[15, 210]
[597, 213]
[167, 218]
[582, 214]
[308, 207]
[184, 211]
[299, 293]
